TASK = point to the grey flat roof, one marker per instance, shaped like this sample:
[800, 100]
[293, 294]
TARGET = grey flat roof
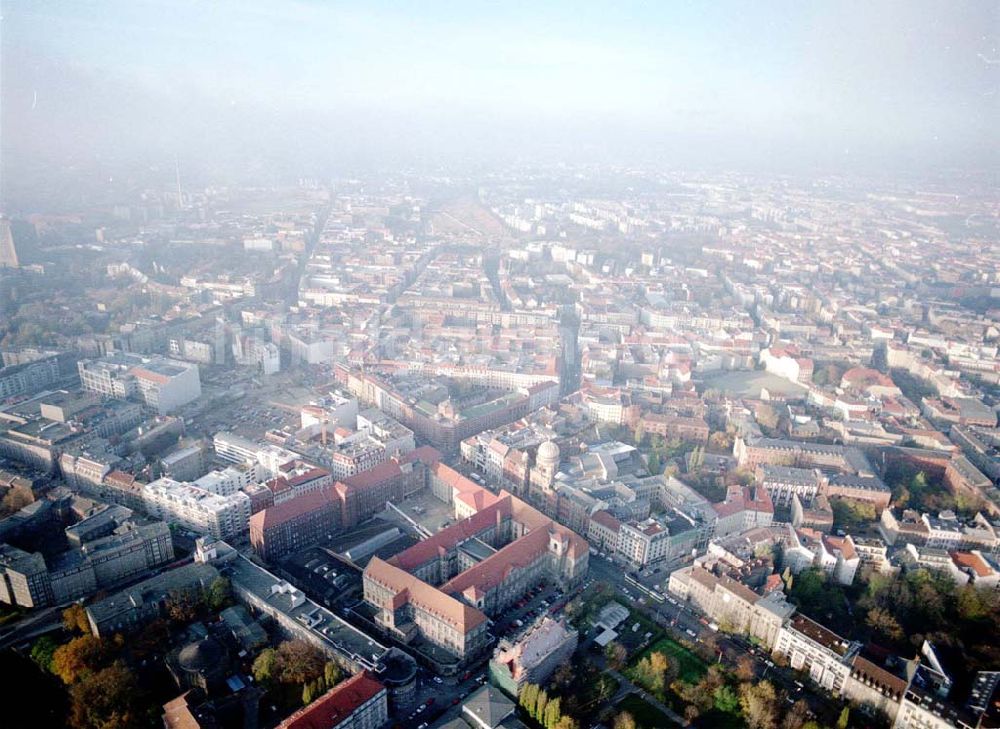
[324, 624]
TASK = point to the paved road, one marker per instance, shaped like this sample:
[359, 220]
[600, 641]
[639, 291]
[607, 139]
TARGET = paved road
[311, 241]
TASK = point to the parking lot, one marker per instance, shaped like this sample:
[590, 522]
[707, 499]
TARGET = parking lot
[539, 601]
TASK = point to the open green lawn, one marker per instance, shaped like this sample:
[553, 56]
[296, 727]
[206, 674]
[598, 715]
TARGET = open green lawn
[690, 667]
[645, 714]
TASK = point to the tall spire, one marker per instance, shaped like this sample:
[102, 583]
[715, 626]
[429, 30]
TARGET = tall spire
[177, 174]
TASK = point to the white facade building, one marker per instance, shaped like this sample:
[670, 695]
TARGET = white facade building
[643, 543]
[161, 383]
[194, 508]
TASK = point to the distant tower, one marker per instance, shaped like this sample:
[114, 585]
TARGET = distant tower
[8, 252]
[177, 174]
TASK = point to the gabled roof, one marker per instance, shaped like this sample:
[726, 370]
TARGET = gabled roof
[289, 510]
[973, 562]
[336, 705]
[478, 500]
[450, 537]
[410, 589]
[866, 670]
[845, 545]
[497, 567]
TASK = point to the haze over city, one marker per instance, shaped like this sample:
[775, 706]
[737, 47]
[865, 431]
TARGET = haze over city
[467, 365]
[793, 86]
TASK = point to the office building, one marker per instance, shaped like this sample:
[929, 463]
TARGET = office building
[160, 383]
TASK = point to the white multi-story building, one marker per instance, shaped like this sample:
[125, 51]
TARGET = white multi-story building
[237, 449]
[836, 556]
[734, 605]
[161, 383]
[396, 438]
[254, 352]
[643, 543]
[194, 508]
[311, 348]
[332, 411]
[782, 482]
[229, 480]
[821, 652]
[744, 508]
[234, 448]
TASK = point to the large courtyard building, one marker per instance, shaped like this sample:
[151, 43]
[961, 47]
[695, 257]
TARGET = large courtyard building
[443, 588]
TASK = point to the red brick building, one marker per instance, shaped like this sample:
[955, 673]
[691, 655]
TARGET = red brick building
[295, 523]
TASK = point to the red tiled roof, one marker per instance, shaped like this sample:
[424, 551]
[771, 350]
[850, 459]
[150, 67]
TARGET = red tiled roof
[453, 478]
[857, 376]
[844, 544]
[122, 480]
[740, 498]
[478, 500]
[774, 582]
[177, 714]
[407, 588]
[278, 485]
[606, 520]
[373, 476]
[148, 375]
[493, 570]
[425, 454]
[273, 516]
[863, 668]
[449, 537]
[971, 561]
[336, 705]
[310, 475]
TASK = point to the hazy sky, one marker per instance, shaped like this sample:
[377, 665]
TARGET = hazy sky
[710, 79]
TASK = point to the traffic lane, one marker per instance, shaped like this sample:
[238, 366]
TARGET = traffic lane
[436, 699]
